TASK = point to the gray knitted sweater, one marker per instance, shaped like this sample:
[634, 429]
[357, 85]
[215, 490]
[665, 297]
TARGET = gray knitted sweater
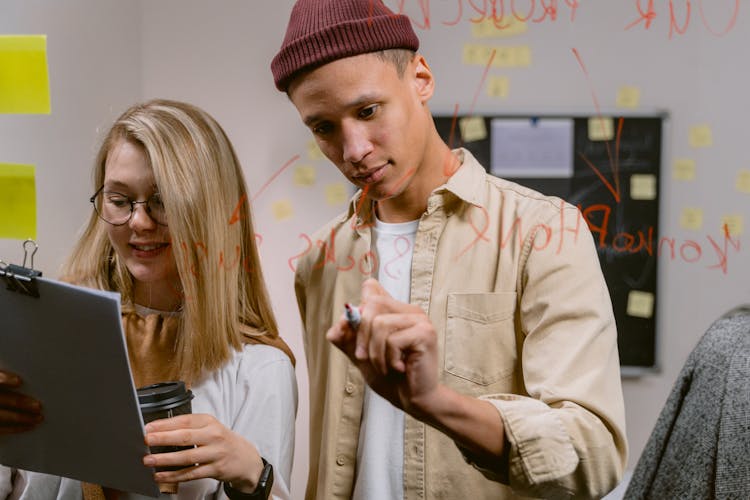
[700, 446]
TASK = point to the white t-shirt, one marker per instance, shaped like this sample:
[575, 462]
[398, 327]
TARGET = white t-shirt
[254, 394]
[380, 453]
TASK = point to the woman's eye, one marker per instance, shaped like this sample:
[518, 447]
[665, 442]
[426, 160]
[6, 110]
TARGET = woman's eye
[118, 201]
[156, 201]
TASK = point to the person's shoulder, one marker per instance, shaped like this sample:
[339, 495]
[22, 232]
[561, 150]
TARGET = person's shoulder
[258, 355]
[510, 196]
[525, 200]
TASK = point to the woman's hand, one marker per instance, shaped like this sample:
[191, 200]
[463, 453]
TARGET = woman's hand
[219, 453]
[18, 412]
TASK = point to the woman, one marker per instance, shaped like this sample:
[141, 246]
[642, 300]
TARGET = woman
[171, 231]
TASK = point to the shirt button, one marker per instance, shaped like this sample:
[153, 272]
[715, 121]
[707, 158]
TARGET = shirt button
[340, 460]
[349, 388]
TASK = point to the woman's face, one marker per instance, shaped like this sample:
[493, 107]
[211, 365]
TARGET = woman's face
[142, 244]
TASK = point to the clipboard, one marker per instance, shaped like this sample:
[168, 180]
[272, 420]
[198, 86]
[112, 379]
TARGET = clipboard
[67, 344]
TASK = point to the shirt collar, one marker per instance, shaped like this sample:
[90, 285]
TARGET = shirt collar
[465, 184]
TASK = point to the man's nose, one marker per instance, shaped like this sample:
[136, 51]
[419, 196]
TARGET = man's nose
[356, 142]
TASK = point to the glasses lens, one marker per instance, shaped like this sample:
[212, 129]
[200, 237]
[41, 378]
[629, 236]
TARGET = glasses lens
[113, 207]
[156, 209]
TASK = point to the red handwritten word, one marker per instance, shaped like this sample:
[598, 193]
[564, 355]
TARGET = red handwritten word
[597, 218]
[536, 11]
[626, 242]
[679, 19]
[366, 263]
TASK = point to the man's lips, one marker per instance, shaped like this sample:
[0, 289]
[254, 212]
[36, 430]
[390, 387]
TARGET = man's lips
[373, 175]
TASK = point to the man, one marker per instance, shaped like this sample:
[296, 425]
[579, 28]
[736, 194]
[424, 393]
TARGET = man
[485, 362]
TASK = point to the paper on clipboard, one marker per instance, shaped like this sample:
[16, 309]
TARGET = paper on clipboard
[68, 347]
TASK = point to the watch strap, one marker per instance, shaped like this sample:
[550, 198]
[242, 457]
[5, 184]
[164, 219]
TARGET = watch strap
[262, 489]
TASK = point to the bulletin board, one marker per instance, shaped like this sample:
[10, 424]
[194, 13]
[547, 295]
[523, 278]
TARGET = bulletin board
[609, 167]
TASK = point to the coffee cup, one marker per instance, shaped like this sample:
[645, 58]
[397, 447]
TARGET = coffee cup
[165, 400]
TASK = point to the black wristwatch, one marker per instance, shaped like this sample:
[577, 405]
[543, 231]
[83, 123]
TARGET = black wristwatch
[262, 489]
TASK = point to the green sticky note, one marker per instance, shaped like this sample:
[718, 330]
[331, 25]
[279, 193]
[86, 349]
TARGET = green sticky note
[24, 80]
[17, 201]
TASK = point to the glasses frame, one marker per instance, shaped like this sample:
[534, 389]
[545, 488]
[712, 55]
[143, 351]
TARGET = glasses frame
[133, 203]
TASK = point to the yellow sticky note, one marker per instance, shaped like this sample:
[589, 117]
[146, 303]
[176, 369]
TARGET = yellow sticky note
[304, 176]
[497, 86]
[523, 56]
[506, 26]
[24, 80]
[643, 187]
[601, 128]
[734, 224]
[17, 201]
[313, 151]
[472, 128]
[691, 218]
[628, 97]
[336, 194]
[701, 136]
[476, 55]
[640, 304]
[511, 57]
[743, 181]
[505, 57]
[282, 209]
[683, 169]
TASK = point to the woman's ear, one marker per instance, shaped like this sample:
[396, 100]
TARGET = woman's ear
[425, 83]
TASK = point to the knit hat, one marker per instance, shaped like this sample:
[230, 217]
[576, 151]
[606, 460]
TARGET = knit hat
[321, 31]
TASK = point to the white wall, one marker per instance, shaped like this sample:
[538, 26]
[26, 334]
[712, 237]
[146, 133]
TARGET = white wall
[106, 54]
[93, 50]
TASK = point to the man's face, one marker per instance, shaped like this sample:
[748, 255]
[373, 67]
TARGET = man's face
[368, 121]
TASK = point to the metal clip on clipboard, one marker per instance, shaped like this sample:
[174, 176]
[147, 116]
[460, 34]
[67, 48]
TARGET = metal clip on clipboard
[21, 278]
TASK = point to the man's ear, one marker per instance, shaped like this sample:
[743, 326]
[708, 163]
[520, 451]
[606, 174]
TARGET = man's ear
[423, 79]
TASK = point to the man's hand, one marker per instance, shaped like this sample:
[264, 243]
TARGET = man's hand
[395, 348]
[18, 412]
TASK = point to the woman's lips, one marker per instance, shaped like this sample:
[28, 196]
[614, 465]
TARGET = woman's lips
[146, 250]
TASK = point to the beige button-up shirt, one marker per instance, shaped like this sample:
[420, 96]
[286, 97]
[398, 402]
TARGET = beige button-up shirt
[511, 282]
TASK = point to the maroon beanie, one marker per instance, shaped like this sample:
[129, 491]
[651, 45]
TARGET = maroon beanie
[321, 31]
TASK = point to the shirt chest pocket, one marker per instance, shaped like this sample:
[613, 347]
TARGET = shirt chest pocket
[480, 343]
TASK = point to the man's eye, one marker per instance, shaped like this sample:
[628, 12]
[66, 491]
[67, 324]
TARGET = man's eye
[322, 129]
[369, 111]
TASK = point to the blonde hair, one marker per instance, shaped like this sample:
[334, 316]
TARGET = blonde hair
[225, 302]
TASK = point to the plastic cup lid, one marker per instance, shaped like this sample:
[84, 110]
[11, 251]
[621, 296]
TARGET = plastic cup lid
[163, 396]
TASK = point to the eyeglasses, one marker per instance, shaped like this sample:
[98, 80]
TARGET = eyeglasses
[117, 209]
